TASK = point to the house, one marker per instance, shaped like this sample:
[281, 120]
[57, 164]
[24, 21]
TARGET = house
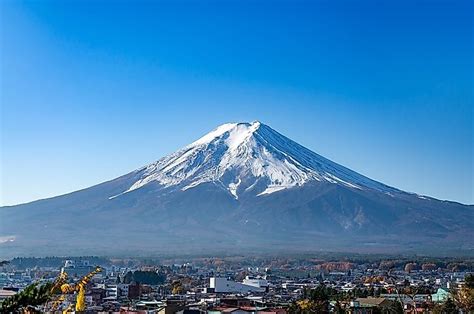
[233, 310]
[353, 307]
[440, 296]
[273, 311]
[157, 306]
[374, 302]
[4, 294]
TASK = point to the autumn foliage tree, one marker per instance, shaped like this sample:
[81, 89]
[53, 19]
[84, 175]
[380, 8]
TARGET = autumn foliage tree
[314, 300]
[465, 295]
[177, 287]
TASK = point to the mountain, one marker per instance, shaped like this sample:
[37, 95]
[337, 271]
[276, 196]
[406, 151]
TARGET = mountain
[241, 187]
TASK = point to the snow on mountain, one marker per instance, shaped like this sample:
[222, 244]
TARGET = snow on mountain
[248, 157]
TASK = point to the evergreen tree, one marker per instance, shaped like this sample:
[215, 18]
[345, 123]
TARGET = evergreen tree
[449, 307]
[338, 308]
[32, 296]
[128, 278]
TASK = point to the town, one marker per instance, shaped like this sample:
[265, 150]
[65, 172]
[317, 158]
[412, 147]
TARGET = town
[243, 284]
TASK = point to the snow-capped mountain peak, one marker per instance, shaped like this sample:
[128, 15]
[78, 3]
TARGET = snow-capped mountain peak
[248, 158]
[238, 132]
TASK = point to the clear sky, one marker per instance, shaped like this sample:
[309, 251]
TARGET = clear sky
[91, 90]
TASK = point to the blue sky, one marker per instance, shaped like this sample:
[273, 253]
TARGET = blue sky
[91, 90]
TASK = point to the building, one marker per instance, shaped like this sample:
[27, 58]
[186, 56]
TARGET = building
[4, 294]
[255, 282]
[224, 285]
[374, 302]
[79, 269]
[440, 296]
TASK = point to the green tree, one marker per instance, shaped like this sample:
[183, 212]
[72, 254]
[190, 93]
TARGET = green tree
[314, 301]
[395, 308]
[338, 308]
[145, 277]
[32, 296]
[128, 278]
[449, 307]
[469, 280]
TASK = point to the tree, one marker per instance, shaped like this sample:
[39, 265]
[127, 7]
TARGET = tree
[177, 287]
[145, 277]
[320, 297]
[338, 308]
[294, 308]
[395, 307]
[314, 301]
[428, 266]
[469, 281]
[464, 297]
[409, 267]
[32, 296]
[449, 307]
[128, 278]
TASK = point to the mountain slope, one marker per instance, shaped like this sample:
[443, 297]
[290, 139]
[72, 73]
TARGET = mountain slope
[241, 155]
[242, 186]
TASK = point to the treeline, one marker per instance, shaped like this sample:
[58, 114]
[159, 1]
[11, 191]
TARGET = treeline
[144, 277]
[53, 261]
[426, 264]
[318, 300]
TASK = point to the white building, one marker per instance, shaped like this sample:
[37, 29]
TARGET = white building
[255, 282]
[73, 269]
[224, 285]
[111, 291]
